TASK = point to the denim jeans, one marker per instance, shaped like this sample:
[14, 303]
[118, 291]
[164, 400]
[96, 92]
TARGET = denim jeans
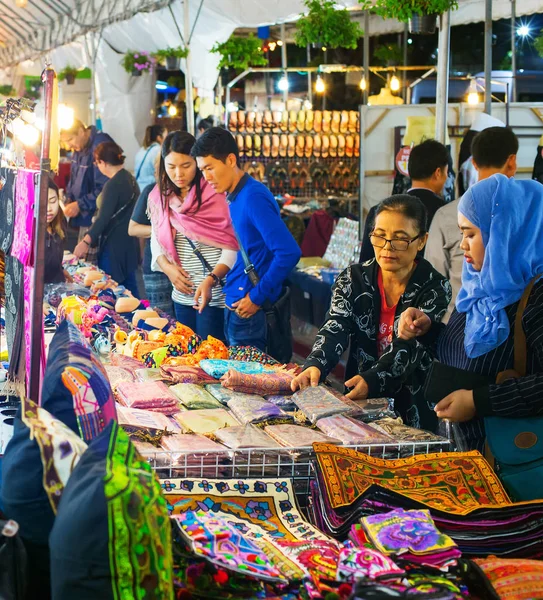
[209, 322]
[245, 332]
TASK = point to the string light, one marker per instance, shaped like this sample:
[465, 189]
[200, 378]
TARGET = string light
[320, 86]
[172, 110]
[307, 105]
[282, 84]
[362, 85]
[394, 84]
[272, 46]
[66, 116]
[473, 94]
[279, 42]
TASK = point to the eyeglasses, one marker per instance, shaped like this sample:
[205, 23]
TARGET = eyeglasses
[396, 244]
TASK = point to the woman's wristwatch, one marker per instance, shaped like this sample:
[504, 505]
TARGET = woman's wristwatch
[216, 280]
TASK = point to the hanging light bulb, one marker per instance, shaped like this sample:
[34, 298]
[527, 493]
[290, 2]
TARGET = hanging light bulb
[307, 105]
[362, 85]
[172, 110]
[272, 46]
[29, 135]
[394, 84]
[473, 94]
[21, 3]
[66, 116]
[320, 85]
[279, 42]
[282, 84]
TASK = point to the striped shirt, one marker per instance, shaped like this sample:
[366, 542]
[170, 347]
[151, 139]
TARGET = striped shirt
[192, 264]
[515, 397]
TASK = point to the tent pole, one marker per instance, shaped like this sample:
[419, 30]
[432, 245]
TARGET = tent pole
[189, 99]
[309, 78]
[367, 55]
[284, 63]
[488, 56]
[40, 214]
[513, 51]
[362, 169]
[404, 73]
[442, 84]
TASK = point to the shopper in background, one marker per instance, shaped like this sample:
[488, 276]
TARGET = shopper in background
[493, 150]
[192, 240]
[269, 245]
[428, 168]
[86, 181]
[367, 301]
[147, 155]
[204, 125]
[54, 238]
[117, 251]
[158, 288]
[501, 223]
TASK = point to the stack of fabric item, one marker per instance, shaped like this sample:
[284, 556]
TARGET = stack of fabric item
[463, 495]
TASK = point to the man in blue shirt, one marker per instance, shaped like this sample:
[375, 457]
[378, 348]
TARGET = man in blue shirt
[260, 230]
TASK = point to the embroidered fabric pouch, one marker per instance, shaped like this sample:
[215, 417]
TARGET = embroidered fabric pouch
[193, 396]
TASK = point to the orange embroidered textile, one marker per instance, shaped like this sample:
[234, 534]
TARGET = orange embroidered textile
[514, 579]
[455, 482]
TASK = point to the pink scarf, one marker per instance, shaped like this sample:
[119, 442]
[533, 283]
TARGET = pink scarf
[211, 225]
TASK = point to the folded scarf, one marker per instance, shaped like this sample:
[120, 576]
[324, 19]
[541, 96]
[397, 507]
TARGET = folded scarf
[263, 384]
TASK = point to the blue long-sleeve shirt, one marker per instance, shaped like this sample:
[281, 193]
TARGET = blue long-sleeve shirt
[266, 239]
[86, 181]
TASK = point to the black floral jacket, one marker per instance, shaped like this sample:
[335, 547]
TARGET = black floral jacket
[353, 318]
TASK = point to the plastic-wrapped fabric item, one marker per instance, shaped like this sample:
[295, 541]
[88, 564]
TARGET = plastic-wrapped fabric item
[148, 375]
[373, 409]
[263, 384]
[402, 433]
[217, 368]
[189, 442]
[224, 395]
[249, 410]
[186, 374]
[193, 396]
[296, 436]
[282, 401]
[121, 360]
[205, 421]
[245, 436]
[132, 419]
[350, 431]
[319, 402]
[118, 374]
[151, 395]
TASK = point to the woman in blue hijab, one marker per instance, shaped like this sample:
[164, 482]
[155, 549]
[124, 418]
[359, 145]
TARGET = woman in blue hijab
[501, 224]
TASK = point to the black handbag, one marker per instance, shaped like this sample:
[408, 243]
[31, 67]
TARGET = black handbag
[13, 562]
[279, 329]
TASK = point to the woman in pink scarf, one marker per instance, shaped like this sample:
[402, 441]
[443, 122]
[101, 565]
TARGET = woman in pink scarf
[192, 239]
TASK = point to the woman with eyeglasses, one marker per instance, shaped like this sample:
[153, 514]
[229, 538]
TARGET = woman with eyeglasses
[367, 301]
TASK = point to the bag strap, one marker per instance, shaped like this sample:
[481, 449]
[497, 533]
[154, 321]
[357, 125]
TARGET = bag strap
[250, 270]
[520, 351]
[143, 161]
[202, 259]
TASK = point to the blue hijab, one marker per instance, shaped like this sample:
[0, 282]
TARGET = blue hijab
[509, 214]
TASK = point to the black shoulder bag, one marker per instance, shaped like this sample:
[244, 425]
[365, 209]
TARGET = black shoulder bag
[279, 330]
[202, 259]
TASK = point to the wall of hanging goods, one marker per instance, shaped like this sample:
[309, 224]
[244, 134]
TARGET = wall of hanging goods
[309, 154]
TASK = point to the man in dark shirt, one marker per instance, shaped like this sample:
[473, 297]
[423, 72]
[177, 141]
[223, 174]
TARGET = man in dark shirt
[428, 169]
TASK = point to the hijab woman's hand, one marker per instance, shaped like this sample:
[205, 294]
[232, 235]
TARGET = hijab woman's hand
[457, 407]
[308, 378]
[413, 323]
[359, 387]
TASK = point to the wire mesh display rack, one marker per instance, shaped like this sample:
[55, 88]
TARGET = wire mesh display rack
[257, 463]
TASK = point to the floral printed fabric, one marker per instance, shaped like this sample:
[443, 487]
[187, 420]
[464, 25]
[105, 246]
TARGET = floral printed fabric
[152, 395]
[250, 353]
[218, 368]
[118, 374]
[514, 579]
[263, 384]
[23, 229]
[402, 433]
[186, 374]
[296, 436]
[352, 432]
[319, 402]
[7, 209]
[224, 395]
[193, 396]
[364, 562]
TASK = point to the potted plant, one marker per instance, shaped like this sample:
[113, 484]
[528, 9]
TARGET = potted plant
[327, 27]
[137, 63]
[420, 14]
[171, 57]
[69, 74]
[7, 90]
[240, 53]
[390, 55]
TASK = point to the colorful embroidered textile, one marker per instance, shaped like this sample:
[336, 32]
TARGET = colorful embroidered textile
[118, 374]
[122, 548]
[186, 374]
[250, 353]
[132, 419]
[245, 436]
[205, 421]
[355, 563]
[350, 431]
[401, 531]
[254, 506]
[402, 433]
[156, 357]
[121, 360]
[250, 410]
[455, 482]
[222, 543]
[263, 384]
[76, 388]
[224, 395]
[218, 368]
[22, 245]
[152, 395]
[148, 375]
[296, 436]
[7, 209]
[514, 579]
[193, 396]
[319, 402]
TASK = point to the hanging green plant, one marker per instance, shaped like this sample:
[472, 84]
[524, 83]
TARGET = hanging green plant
[403, 10]
[137, 63]
[7, 90]
[389, 55]
[68, 74]
[538, 43]
[171, 57]
[240, 53]
[326, 26]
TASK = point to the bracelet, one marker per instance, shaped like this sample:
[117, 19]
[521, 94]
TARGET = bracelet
[216, 280]
[85, 242]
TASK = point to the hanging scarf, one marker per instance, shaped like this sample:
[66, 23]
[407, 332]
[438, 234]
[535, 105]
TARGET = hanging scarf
[210, 225]
[509, 214]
